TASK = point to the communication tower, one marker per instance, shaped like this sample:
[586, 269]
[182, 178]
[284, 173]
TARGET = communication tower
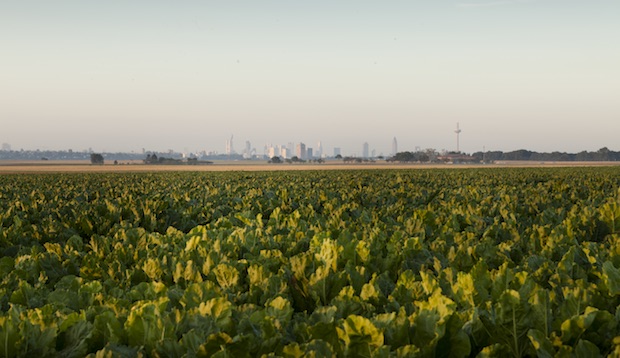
[458, 133]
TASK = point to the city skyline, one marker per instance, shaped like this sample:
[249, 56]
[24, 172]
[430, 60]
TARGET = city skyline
[121, 76]
[291, 149]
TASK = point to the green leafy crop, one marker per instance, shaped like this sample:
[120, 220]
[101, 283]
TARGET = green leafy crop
[383, 263]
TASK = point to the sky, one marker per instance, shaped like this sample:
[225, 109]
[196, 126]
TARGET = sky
[116, 75]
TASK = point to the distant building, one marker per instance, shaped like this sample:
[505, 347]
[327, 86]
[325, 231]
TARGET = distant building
[291, 148]
[301, 151]
[309, 153]
[229, 146]
[248, 151]
[394, 146]
[271, 152]
[457, 158]
[337, 151]
[319, 150]
[365, 150]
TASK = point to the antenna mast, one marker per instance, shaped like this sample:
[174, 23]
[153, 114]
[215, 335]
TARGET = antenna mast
[458, 133]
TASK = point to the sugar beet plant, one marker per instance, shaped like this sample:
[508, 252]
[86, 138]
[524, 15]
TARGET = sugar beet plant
[438, 263]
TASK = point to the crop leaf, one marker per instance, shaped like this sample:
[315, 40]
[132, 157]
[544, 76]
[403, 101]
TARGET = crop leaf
[360, 336]
[542, 345]
[220, 310]
[611, 276]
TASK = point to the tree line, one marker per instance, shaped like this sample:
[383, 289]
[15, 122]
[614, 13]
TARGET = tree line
[603, 154]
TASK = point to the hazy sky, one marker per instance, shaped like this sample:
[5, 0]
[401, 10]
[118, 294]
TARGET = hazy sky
[185, 75]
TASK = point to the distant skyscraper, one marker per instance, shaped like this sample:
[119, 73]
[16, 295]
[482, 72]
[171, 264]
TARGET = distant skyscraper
[229, 146]
[285, 152]
[394, 146]
[319, 150]
[365, 150]
[336, 151]
[309, 153]
[271, 151]
[247, 151]
[301, 151]
[291, 148]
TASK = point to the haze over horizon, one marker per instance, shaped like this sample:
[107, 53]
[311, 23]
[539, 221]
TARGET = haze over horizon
[541, 75]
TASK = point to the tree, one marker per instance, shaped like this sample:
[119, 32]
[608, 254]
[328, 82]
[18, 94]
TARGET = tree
[151, 159]
[96, 158]
[275, 160]
[404, 157]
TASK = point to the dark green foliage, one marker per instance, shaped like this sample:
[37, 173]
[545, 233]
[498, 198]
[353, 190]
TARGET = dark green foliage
[449, 263]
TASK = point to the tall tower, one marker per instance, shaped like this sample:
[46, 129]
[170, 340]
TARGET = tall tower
[229, 146]
[365, 150]
[458, 133]
[394, 146]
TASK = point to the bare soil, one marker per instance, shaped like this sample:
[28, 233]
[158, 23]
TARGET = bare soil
[23, 167]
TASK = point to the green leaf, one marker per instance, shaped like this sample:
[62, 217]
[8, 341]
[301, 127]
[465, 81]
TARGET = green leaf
[192, 341]
[587, 349]
[328, 254]
[426, 329]
[408, 351]
[220, 310]
[145, 326]
[7, 264]
[37, 339]
[317, 348]
[460, 346]
[9, 335]
[438, 303]
[574, 327]
[611, 276]
[215, 343]
[197, 293]
[280, 308]
[70, 320]
[542, 345]
[107, 329]
[292, 350]
[74, 341]
[25, 295]
[227, 276]
[117, 351]
[361, 336]
[257, 275]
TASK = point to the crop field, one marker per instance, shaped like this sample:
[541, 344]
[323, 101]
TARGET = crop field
[497, 262]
